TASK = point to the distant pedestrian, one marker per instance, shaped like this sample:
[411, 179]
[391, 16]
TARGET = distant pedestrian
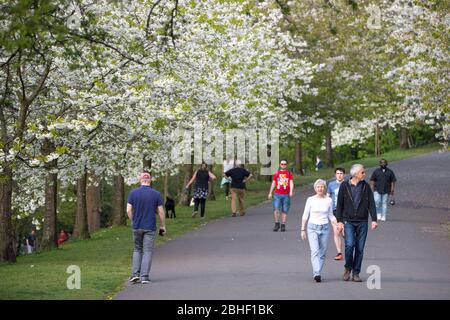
[63, 237]
[355, 203]
[226, 182]
[382, 182]
[283, 184]
[239, 176]
[333, 191]
[318, 213]
[31, 242]
[319, 164]
[143, 204]
[201, 177]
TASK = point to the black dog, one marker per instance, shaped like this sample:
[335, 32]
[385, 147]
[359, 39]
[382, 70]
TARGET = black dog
[170, 206]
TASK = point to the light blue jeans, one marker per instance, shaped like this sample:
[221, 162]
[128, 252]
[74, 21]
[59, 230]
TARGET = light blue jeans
[318, 235]
[143, 251]
[381, 200]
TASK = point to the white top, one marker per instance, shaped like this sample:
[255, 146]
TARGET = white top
[228, 165]
[319, 210]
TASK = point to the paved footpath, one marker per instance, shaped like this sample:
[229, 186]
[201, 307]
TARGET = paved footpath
[242, 258]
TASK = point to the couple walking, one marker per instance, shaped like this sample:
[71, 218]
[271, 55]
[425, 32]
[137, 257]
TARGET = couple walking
[355, 201]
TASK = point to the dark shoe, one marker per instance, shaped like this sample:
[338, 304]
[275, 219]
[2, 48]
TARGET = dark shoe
[283, 227]
[346, 275]
[356, 278]
[242, 214]
[134, 279]
[339, 256]
[277, 226]
[317, 279]
[145, 281]
[233, 214]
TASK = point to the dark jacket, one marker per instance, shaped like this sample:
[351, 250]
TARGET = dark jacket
[345, 210]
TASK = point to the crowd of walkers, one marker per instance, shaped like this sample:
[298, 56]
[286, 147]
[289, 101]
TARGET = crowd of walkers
[345, 203]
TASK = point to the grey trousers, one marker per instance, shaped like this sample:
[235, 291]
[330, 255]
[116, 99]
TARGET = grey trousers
[142, 254]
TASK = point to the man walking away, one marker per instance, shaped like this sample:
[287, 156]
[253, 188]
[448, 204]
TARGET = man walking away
[143, 203]
[239, 176]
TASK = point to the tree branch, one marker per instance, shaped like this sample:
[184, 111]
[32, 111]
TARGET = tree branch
[173, 15]
[147, 25]
[9, 59]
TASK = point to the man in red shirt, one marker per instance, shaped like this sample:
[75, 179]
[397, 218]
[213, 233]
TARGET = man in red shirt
[284, 187]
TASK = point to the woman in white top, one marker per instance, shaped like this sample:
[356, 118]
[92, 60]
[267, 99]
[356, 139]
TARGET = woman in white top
[318, 211]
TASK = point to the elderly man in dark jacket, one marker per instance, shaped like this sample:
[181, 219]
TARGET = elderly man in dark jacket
[354, 204]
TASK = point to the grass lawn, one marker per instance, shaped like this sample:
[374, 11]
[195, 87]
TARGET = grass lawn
[105, 259]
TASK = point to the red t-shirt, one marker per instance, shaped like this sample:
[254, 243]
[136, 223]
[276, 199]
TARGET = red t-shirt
[282, 179]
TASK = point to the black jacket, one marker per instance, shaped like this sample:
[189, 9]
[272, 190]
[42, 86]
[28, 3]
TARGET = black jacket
[345, 210]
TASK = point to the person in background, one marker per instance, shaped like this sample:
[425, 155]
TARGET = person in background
[283, 184]
[225, 183]
[201, 177]
[333, 191]
[62, 237]
[382, 183]
[239, 176]
[31, 242]
[319, 164]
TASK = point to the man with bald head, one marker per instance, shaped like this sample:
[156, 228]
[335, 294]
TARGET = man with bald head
[143, 204]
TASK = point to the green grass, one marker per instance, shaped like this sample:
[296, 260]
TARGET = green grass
[105, 259]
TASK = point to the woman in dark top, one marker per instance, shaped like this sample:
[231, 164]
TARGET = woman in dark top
[201, 177]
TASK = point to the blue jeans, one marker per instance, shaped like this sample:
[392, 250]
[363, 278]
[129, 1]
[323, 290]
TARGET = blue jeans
[281, 202]
[355, 240]
[318, 242]
[142, 254]
[381, 200]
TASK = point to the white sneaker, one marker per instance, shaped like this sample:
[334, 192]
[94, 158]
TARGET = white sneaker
[378, 216]
[383, 218]
[145, 281]
[134, 279]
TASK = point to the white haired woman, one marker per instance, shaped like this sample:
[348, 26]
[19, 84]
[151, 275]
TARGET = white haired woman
[318, 212]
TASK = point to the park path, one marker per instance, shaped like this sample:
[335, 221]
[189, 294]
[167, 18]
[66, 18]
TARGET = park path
[242, 258]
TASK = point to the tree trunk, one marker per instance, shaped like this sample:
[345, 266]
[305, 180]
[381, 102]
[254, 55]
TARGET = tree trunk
[185, 196]
[211, 194]
[6, 241]
[50, 234]
[81, 229]
[166, 184]
[93, 202]
[268, 177]
[377, 140]
[298, 157]
[404, 141]
[147, 164]
[119, 201]
[329, 147]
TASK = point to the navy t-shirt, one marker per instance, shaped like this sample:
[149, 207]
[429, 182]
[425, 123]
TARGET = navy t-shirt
[145, 202]
[237, 176]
